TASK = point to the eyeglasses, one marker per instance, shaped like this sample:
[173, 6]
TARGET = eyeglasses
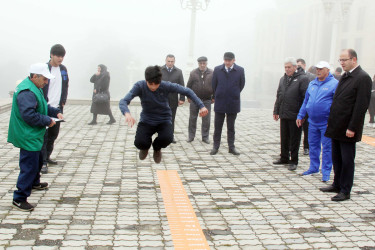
[344, 60]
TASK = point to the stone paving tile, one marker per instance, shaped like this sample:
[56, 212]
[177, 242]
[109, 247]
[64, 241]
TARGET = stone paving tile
[102, 196]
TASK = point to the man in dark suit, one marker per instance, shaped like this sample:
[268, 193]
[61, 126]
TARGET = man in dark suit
[174, 75]
[345, 122]
[228, 80]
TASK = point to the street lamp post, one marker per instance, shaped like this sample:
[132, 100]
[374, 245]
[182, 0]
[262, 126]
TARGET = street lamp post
[193, 5]
[336, 11]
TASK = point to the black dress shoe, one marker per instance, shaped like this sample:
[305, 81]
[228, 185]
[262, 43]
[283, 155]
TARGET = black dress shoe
[92, 123]
[214, 151]
[292, 167]
[280, 162]
[306, 151]
[50, 161]
[330, 189]
[190, 140]
[234, 151]
[143, 154]
[340, 197]
[206, 141]
[157, 156]
[44, 169]
[111, 122]
[174, 141]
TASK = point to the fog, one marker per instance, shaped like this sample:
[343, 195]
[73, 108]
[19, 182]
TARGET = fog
[128, 36]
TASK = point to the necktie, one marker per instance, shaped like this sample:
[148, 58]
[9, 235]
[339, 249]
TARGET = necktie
[169, 70]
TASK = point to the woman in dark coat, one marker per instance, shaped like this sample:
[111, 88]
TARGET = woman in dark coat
[101, 85]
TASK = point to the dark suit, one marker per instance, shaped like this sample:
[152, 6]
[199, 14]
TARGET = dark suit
[227, 87]
[348, 110]
[175, 76]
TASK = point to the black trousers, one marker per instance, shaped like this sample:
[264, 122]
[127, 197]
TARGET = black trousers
[343, 155]
[143, 136]
[219, 121]
[49, 141]
[290, 139]
[305, 127]
[174, 111]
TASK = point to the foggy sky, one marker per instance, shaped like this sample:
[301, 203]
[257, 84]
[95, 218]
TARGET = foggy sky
[127, 36]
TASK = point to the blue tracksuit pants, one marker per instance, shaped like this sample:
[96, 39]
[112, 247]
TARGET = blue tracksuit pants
[317, 140]
[30, 165]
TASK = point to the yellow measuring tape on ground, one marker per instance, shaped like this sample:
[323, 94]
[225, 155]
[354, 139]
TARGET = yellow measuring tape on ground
[185, 229]
[368, 140]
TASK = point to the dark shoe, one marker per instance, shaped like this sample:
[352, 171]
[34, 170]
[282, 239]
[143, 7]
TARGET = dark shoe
[340, 197]
[111, 122]
[292, 167]
[23, 205]
[306, 151]
[330, 189]
[190, 140]
[50, 161]
[157, 156]
[143, 154]
[44, 169]
[207, 141]
[280, 162]
[174, 141]
[234, 151]
[214, 151]
[41, 186]
[92, 123]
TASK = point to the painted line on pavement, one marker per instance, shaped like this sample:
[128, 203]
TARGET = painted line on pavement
[368, 140]
[183, 222]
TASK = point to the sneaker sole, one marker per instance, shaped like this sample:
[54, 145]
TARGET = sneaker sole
[23, 210]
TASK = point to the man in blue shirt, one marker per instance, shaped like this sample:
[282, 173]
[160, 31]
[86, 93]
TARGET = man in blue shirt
[317, 104]
[156, 115]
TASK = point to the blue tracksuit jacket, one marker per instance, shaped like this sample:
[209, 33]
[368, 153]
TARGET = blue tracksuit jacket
[318, 100]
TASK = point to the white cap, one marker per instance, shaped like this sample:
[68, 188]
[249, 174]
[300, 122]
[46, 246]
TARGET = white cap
[323, 64]
[41, 69]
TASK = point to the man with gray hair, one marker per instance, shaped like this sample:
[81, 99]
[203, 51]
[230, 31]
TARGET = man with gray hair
[289, 98]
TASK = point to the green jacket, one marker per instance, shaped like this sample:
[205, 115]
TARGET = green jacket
[21, 134]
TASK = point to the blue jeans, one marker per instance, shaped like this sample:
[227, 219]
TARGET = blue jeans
[317, 140]
[31, 163]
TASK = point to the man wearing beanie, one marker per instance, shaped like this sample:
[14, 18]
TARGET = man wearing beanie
[227, 83]
[200, 82]
[56, 93]
[27, 125]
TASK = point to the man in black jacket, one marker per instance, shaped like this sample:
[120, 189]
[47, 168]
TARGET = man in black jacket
[56, 93]
[305, 127]
[345, 122]
[200, 82]
[289, 98]
[174, 75]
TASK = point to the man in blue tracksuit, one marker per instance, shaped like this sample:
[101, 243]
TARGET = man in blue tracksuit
[317, 104]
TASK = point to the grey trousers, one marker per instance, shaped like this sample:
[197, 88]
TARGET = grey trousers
[206, 121]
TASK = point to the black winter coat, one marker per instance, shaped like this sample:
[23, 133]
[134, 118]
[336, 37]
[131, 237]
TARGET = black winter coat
[290, 96]
[349, 106]
[175, 76]
[101, 84]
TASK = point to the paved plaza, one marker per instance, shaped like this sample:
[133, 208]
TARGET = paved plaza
[102, 196]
